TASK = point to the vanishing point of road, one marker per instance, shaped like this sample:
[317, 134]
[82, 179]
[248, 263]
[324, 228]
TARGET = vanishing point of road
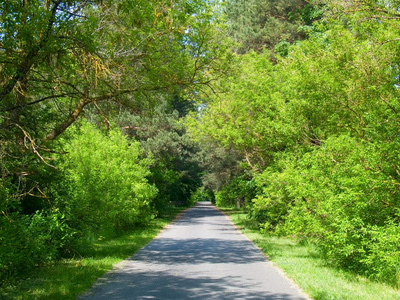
[199, 256]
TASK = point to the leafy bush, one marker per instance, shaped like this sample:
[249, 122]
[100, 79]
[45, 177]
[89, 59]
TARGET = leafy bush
[105, 180]
[343, 196]
[238, 193]
[383, 259]
[32, 231]
[30, 241]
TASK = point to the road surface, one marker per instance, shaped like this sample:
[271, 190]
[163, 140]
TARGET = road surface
[200, 256]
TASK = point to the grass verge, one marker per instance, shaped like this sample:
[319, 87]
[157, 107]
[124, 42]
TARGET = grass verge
[305, 266]
[69, 278]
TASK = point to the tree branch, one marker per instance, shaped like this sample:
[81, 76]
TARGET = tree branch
[27, 63]
[71, 119]
[35, 102]
[33, 146]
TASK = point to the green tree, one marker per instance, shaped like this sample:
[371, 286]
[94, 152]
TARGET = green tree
[60, 57]
[219, 165]
[262, 24]
[60, 60]
[319, 130]
[252, 115]
[163, 136]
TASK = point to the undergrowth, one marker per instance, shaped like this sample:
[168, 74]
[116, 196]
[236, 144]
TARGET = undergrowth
[68, 278]
[304, 264]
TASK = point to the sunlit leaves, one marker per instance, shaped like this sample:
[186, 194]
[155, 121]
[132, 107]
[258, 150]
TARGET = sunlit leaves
[105, 180]
[319, 130]
[60, 60]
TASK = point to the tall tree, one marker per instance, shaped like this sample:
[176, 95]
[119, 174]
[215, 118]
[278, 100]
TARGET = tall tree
[262, 24]
[162, 134]
[60, 57]
[320, 130]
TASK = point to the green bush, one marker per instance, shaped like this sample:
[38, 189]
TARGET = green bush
[32, 232]
[343, 196]
[105, 181]
[383, 259]
[30, 241]
[238, 193]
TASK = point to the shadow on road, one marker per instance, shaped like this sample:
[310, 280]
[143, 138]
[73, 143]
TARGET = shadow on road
[163, 285]
[200, 251]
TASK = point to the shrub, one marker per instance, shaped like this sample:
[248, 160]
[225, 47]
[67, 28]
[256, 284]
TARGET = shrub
[343, 196]
[238, 192]
[105, 180]
[30, 241]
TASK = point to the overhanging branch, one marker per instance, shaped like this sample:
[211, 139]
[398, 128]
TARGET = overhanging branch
[36, 102]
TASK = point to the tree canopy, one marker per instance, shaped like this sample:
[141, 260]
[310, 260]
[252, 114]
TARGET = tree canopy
[317, 129]
[65, 61]
[266, 24]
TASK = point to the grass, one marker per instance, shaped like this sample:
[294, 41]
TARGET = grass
[69, 278]
[305, 266]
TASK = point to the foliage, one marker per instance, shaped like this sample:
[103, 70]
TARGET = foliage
[263, 24]
[105, 180]
[319, 132]
[70, 277]
[238, 193]
[162, 135]
[31, 241]
[202, 195]
[307, 143]
[61, 60]
[337, 197]
[219, 165]
[68, 55]
[101, 184]
[302, 262]
[253, 116]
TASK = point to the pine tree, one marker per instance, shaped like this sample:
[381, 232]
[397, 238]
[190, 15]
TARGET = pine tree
[259, 24]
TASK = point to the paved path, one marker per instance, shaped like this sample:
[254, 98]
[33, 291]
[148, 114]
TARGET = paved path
[200, 256]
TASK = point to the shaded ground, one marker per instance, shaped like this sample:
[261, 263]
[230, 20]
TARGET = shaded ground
[201, 256]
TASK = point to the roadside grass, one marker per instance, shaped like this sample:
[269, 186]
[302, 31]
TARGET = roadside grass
[69, 278]
[305, 266]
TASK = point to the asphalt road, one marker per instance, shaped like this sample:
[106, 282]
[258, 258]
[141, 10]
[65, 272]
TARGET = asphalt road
[200, 256]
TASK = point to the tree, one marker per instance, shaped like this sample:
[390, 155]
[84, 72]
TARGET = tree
[61, 57]
[61, 60]
[251, 115]
[220, 165]
[262, 24]
[163, 136]
[319, 129]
